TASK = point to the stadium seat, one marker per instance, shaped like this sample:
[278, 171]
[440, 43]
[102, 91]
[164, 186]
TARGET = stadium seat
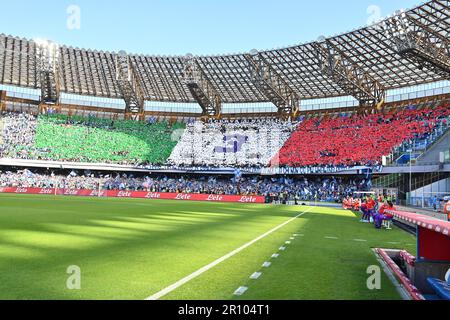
[386, 224]
[441, 288]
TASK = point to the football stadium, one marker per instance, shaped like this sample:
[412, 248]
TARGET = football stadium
[317, 171]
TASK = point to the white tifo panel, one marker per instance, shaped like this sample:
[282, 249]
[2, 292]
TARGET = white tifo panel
[225, 143]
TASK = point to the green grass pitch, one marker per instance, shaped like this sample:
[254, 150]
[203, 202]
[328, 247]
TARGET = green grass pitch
[132, 249]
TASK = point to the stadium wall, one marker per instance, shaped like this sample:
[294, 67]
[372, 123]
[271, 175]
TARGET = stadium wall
[432, 155]
[136, 195]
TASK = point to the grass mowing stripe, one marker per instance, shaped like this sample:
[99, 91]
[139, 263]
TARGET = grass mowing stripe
[315, 268]
[202, 270]
[130, 249]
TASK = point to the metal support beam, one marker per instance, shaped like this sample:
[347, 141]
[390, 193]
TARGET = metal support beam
[45, 108]
[129, 87]
[419, 44]
[2, 101]
[356, 82]
[47, 57]
[201, 88]
[272, 85]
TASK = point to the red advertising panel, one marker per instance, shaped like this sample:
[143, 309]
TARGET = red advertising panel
[137, 194]
[433, 246]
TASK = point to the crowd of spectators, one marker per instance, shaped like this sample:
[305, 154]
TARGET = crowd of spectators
[421, 142]
[19, 130]
[320, 189]
[226, 143]
[358, 139]
[312, 146]
[27, 179]
[86, 139]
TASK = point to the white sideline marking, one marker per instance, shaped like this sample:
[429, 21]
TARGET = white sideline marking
[282, 248]
[275, 255]
[267, 264]
[332, 238]
[240, 291]
[292, 238]
[202, 270]
[256, 275]
[288, 242]
[359, 240]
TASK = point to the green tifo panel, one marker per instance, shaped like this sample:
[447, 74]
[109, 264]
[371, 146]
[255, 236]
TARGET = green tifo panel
[133, 249]
[102, 140]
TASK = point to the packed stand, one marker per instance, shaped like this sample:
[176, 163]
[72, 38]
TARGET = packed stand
[18, 135]
[86, 139]
[421, 142]
[314, 146]
[27, 179]
[358, 139]
[226, 143]
[319, 189]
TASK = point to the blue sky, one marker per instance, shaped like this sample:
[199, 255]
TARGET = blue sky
[177, 27]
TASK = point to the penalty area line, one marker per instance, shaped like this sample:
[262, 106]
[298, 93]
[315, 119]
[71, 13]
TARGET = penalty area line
[202, 270]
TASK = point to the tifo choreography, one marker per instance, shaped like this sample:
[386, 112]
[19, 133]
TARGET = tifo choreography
[266, 175]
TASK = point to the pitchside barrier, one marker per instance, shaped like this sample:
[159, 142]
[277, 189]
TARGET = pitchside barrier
[422, 276]
[136, 195]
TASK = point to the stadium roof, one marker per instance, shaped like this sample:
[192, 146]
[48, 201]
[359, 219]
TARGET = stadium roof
[369, 54]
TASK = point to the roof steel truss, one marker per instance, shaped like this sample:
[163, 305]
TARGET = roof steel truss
[350, 77]
[129, 85]
[420, 44]
[48, 67]
[364, 62]
[201, 88]
[272, 85]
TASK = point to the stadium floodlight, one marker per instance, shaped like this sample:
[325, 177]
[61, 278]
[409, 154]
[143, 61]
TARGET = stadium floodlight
[44, 44]
[41, 42]
[47, 54]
